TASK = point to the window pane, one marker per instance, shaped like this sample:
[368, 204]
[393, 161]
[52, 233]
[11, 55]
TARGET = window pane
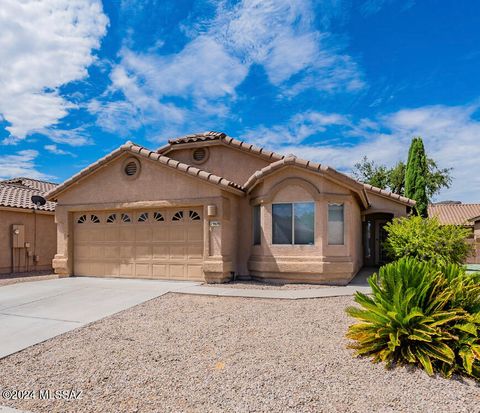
[335, 224]
[256, 225]
[282, 223]
[304, 222]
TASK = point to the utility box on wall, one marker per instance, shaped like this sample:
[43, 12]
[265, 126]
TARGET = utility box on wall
[18, 236]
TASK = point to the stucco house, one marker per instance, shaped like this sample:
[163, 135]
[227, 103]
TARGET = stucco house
[465, 215]
[28, 234]
[209, 207]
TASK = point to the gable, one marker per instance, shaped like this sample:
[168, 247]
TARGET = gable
[155, 181]
[223, 160]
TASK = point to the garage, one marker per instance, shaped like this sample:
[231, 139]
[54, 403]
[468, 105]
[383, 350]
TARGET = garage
[160, 243]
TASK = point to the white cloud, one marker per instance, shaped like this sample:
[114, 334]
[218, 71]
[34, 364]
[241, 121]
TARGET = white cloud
[57, 151]
[74, 137]
[450, 134]
[44, 45]
[203, 77]
[22, 163]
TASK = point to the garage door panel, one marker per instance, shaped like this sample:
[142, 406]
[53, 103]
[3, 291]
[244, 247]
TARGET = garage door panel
[152, 247]
[82, 251]
[97, 234]
[111, 269]
[177, 252]
[112, 251]
[143, 252]
[97, 251]
[160, 252]
[126, 251]
[160, 270]
[160, 233]
[126, 269]
[194, 272]
[194, 233]
[177, 271]
[177, 233]
[112, 233]
[126, 234]
[195, 251]
[143, 234]
[143, 270]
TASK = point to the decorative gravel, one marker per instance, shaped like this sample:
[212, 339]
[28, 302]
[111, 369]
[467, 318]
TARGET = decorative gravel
[7, 279]
[182, 353]
[258, 285]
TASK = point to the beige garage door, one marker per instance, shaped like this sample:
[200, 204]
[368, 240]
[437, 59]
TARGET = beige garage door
[164, 244]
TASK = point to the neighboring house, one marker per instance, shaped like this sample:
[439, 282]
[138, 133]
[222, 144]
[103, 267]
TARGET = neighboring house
[28, 235]
[466, 215]
[209, 207]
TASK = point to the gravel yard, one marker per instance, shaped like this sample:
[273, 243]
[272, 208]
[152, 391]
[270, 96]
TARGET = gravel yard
[222, 354]
[258, 285]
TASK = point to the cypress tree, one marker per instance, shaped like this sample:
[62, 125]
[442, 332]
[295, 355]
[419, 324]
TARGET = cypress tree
[415, 176]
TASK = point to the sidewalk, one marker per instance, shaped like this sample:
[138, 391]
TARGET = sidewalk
[359, 283]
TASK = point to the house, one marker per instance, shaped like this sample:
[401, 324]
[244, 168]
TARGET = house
[466, 215]
[28, 234]
[209, 207]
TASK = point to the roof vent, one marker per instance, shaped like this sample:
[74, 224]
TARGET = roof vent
[131, 167]
[200, 155]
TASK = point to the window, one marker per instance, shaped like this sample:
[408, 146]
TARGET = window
[111, 218]
[157, 216]
[293, 223]
[94, 219]
[194, 216]
[143, 217]
[178, 216]
[82, 219]
[126, 218]
[257, 235]
[336, 224]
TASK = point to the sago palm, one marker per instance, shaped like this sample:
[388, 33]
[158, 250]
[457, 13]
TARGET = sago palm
[410, 319]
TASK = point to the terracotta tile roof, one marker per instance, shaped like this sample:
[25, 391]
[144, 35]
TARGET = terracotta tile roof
[456, 214]
[313, 166]
[388, 194]
[17, 193]
[224, 139]
[154, 156]
[196, 137]
[42, 186]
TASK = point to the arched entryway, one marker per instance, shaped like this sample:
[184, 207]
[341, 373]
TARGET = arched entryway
[374, 236]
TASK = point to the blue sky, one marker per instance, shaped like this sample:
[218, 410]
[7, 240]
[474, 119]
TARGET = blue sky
[327, 80]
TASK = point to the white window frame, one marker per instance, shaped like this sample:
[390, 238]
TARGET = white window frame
[293, 223]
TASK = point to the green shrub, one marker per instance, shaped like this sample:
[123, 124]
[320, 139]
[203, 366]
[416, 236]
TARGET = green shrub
[426, 240]
[420, 314]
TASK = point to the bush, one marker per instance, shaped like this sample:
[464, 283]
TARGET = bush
[427, 240]
[420, 314]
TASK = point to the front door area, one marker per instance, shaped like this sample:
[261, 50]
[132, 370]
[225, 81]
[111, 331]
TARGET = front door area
[374, 236]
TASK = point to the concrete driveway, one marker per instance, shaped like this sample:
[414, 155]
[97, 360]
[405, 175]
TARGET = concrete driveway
[35, 311]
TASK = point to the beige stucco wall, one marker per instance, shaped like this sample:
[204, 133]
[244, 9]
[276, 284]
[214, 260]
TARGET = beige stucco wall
[382, 204]
[320, 262]
[156, 186]
[225, 161]
[46, 240]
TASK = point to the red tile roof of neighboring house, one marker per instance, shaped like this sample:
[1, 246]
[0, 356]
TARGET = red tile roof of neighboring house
[456, 214]
[17, 193]
[42, 186]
